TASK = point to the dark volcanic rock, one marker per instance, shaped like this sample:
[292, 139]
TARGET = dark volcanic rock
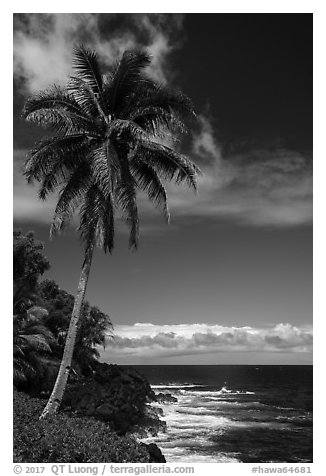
[112, 394]
[104, 412]
[165, 398]
[155, 454]
[151, 424]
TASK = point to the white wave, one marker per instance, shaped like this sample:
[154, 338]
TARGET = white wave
[217, 405]
[179, 454]
[202, 393]
[192, 450]
[271, 425]
[294, 418]
[213, 393]
[198, 442]
[177, 386]
[181, 420]
[198, 414]
[195, 410]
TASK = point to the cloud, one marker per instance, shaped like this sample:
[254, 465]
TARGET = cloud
[204, 142]
[258, 187]
[43, 42]
[141, 340]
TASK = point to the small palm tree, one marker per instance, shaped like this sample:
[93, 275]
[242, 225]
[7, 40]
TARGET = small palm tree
[107, 144]
[31, 340]
[92, 333]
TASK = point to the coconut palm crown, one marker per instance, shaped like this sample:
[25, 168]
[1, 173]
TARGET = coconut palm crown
[106, 145]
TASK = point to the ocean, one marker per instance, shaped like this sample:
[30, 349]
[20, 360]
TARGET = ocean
[234, 413]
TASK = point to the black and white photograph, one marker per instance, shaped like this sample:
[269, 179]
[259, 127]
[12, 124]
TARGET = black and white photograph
[163, 238]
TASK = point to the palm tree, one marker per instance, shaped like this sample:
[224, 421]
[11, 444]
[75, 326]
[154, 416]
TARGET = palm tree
[31, 340]
[93, 332]
[106, 145]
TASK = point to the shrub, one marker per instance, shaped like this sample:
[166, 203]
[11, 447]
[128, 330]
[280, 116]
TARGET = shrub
[68, 439]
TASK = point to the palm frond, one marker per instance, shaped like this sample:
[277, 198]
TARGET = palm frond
[127, 200]
[88, 100]
[37, 342]
[40, 329]
[149, 181]
[97, 219]
[108, 224]
[65, 149]
[126, 74]
[61, 121]
[71, 197]
[88, 217]
[105, 167]
[52, 98]
[150, 94]
[85, 62]
[22, 370]
[105, 225]
[55, 177]
[125, 129]
[169, 164]
[157, 121]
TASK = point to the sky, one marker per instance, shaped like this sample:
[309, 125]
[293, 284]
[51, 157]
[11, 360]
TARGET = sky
[229, 280]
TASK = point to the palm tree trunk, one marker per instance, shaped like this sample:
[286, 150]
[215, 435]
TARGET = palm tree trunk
[55, 399]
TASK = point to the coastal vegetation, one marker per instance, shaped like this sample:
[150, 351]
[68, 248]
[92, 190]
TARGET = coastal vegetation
[104, 405]
[65, 438]
[41, 319]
